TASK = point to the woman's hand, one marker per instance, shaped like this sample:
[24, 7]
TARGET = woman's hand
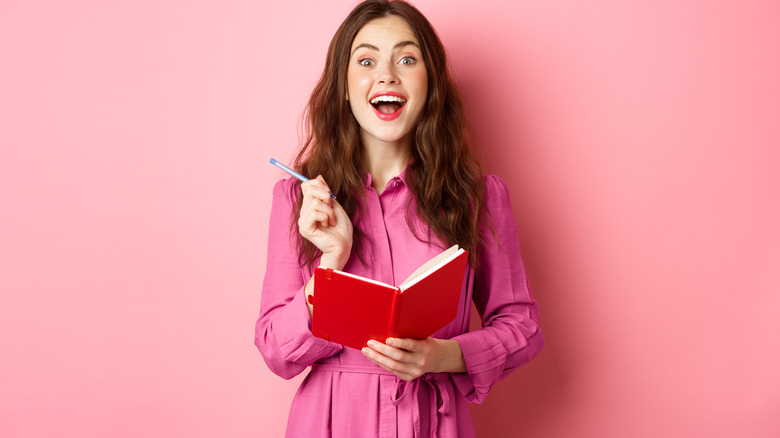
[409, 358]
[324, 223]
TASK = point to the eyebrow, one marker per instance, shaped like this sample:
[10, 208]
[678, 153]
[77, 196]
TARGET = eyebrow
[397, 46]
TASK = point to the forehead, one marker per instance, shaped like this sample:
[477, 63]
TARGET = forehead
[385, 31]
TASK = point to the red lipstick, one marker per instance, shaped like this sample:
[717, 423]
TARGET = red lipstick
[399, 99]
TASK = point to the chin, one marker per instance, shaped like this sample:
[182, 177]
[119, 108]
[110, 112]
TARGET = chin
[388, 137]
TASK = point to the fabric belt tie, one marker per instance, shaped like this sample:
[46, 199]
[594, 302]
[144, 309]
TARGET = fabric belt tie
[402, 388]
[442, 399]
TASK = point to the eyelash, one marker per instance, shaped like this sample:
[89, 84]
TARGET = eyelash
[362, 61]
[411, 58]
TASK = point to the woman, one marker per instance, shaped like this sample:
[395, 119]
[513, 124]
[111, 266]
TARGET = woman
[387, 136]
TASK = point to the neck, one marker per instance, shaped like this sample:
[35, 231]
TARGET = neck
[385, 160]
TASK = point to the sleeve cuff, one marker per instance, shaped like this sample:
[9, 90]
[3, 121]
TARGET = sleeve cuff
[300, 345]
[485, 357]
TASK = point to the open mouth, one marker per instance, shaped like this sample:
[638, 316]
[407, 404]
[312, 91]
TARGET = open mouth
[387, 104]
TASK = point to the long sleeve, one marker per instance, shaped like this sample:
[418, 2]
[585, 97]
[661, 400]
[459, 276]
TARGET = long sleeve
[283, 330]
[511, 335]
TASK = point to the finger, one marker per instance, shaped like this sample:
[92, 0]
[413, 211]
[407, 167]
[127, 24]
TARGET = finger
[398, 368]
[315, 206]
[317, 211]
[416, 353]
[317, 183]
[324, 184]
[323, 207]
[309, 225]
[383, 360]
[340, 215]
[403, 344]
[340, 212]
[318, 193]
[320, 218]
[388, 351]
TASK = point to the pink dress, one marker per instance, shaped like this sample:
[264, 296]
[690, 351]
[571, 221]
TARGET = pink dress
[346, 395]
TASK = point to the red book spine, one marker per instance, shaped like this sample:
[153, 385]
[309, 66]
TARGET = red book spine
[395, 314]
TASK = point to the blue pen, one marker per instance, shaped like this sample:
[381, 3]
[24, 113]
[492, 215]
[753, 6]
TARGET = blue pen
[293, 173]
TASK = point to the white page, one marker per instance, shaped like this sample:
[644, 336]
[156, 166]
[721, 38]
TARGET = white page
[431, 265]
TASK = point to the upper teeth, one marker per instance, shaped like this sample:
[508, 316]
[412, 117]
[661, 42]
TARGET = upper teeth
[387, 98]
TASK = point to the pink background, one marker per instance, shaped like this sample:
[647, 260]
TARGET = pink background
[639, 140]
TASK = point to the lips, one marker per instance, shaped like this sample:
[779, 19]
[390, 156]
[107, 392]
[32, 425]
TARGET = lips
[388, 106]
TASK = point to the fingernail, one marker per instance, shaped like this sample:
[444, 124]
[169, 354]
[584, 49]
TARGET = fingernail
[364, 351]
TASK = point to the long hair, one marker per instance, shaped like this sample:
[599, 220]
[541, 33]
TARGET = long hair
[444, 176]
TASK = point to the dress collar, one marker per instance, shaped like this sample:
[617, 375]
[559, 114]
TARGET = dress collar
[367, 178]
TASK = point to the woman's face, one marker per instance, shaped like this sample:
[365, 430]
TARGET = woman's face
[387, 83]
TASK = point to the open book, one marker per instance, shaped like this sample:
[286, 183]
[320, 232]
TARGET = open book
[350, 309]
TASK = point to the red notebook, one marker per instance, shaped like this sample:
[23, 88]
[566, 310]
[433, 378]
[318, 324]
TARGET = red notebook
[350, 309]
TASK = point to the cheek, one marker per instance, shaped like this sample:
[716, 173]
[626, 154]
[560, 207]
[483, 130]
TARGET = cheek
[357, 84]
[420, 82]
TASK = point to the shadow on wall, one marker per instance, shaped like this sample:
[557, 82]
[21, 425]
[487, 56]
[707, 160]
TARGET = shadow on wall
[531, 399]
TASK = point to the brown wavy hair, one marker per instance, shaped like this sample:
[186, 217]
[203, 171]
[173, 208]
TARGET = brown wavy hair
[444, 176]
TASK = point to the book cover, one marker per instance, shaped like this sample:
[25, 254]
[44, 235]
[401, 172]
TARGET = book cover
[350, 309]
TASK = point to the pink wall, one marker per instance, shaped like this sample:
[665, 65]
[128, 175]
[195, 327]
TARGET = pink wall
[640, 141]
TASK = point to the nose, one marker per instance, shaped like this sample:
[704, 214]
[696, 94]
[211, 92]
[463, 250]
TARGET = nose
[386, 74]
